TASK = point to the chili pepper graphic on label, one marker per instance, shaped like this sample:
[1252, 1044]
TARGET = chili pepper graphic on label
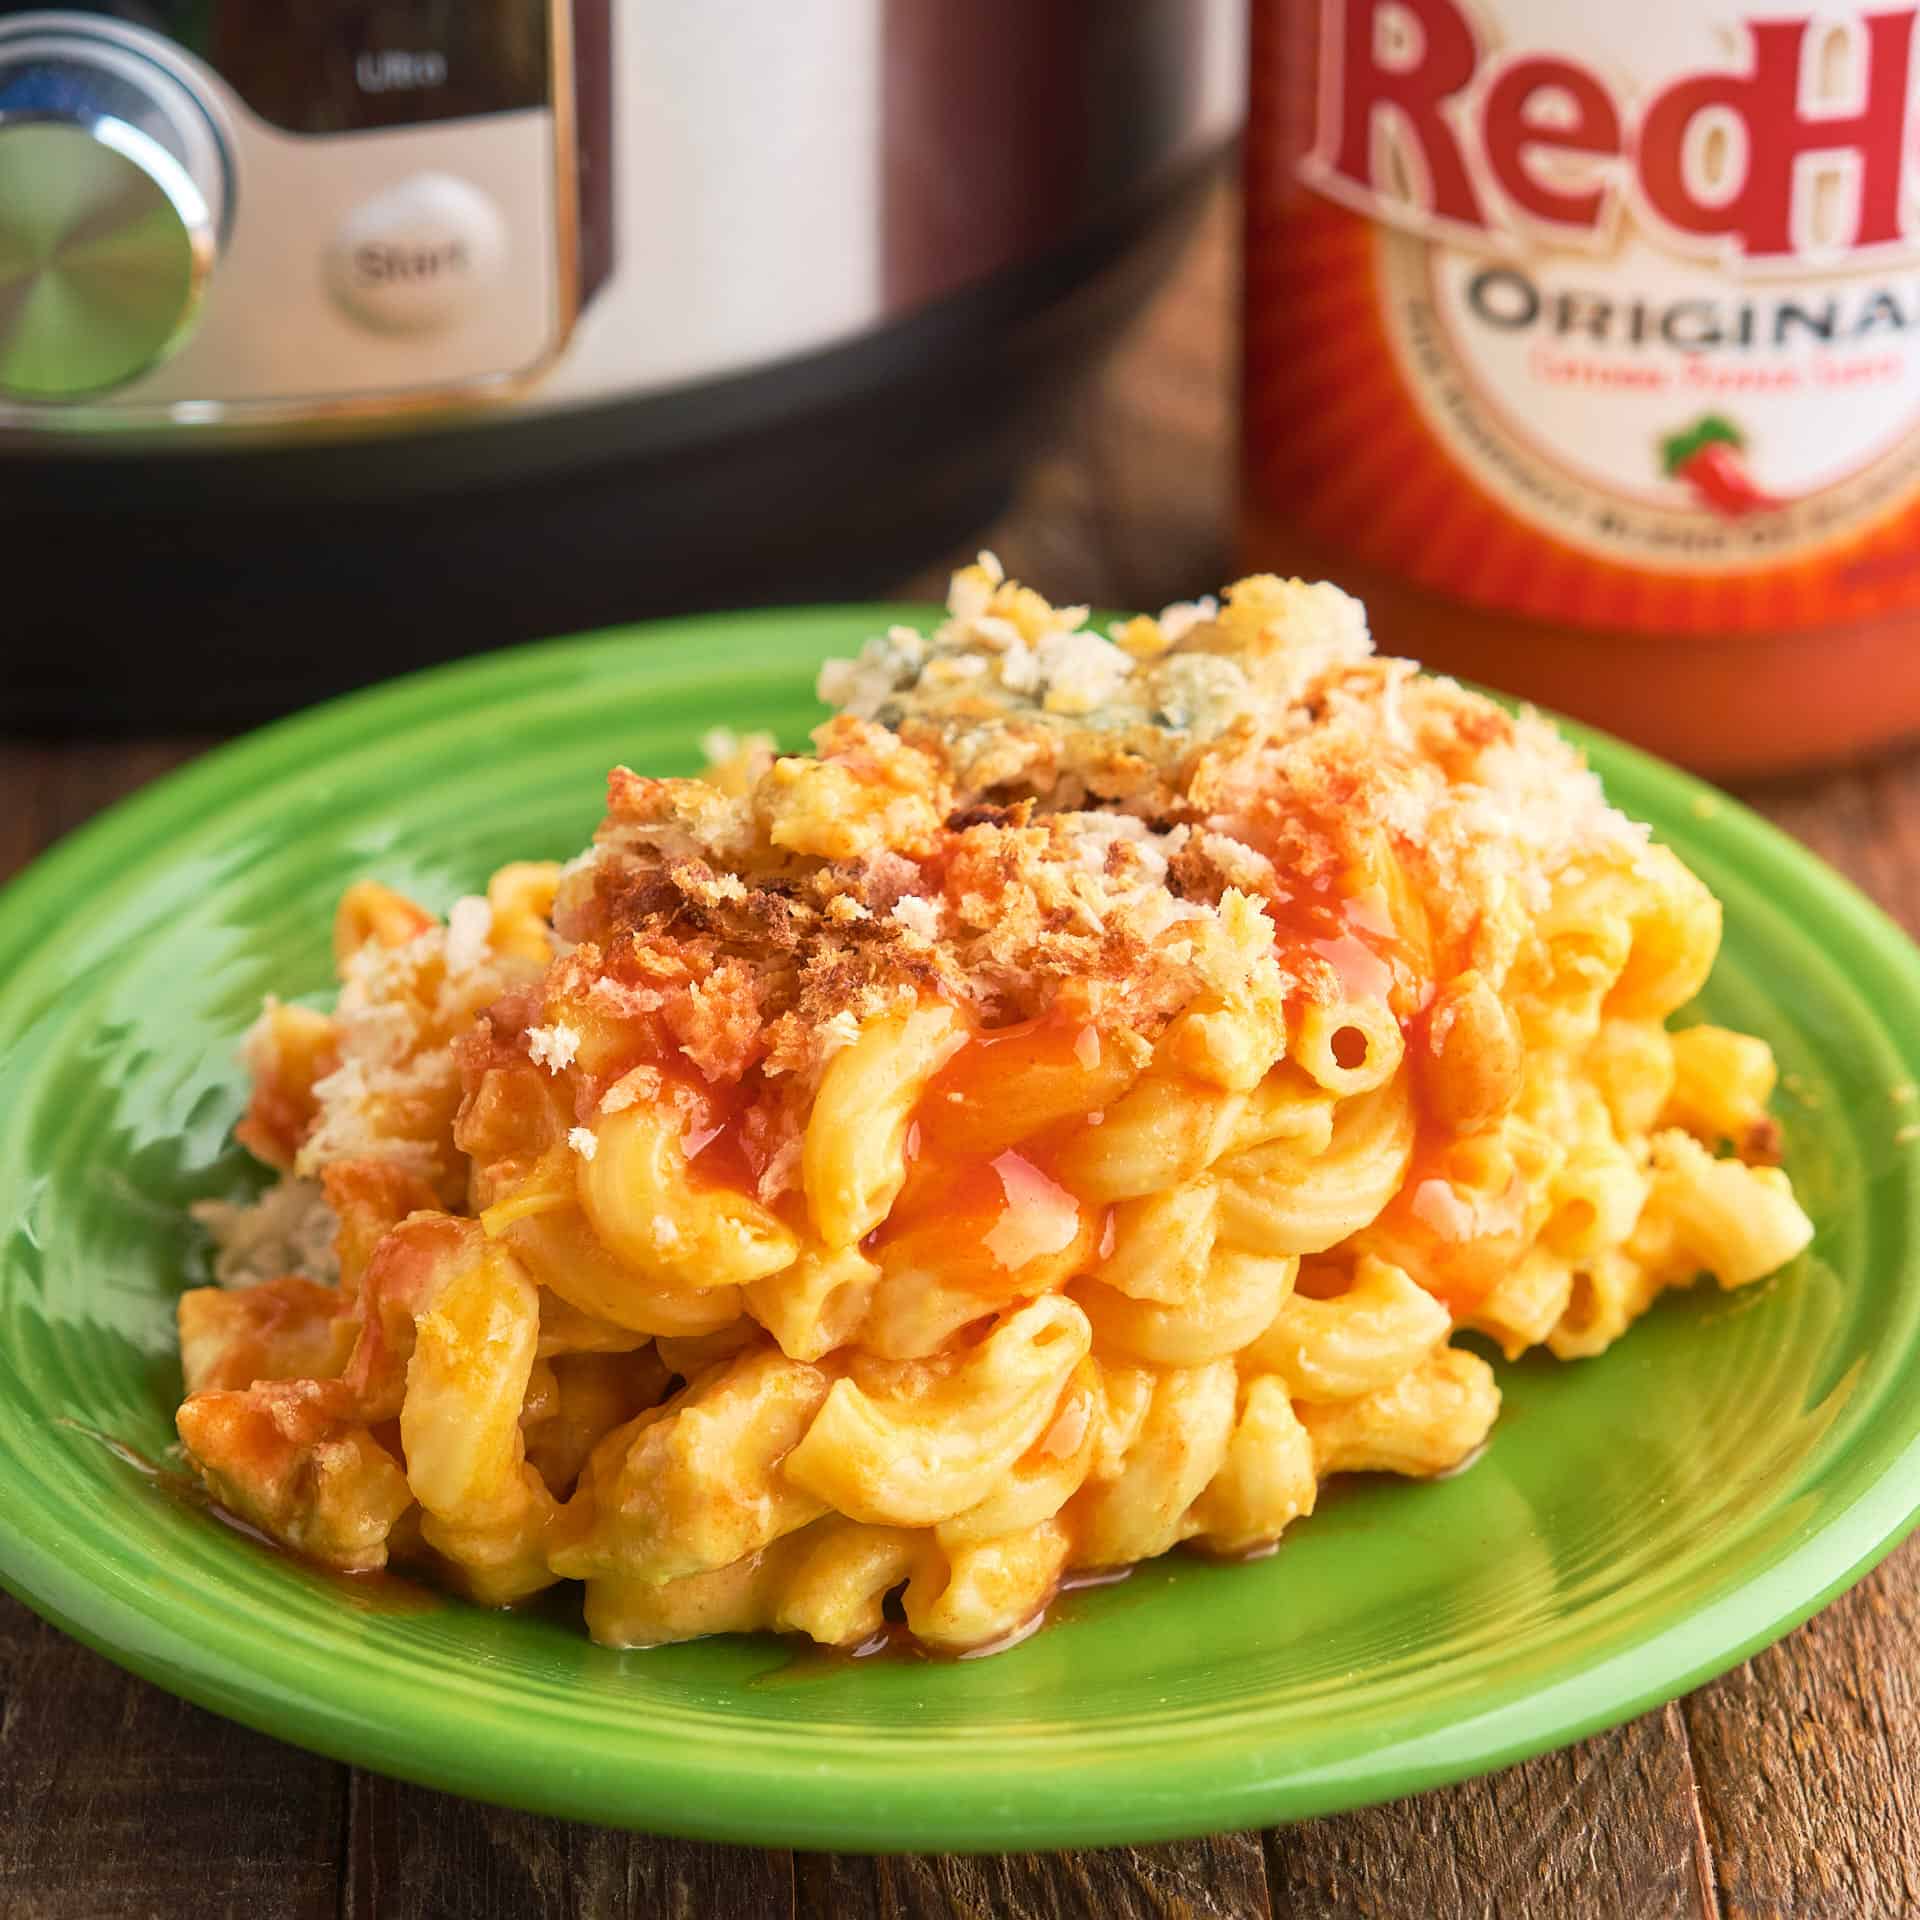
[1710, 457]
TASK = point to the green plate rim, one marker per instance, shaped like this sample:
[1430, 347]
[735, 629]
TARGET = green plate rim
[969, 1803]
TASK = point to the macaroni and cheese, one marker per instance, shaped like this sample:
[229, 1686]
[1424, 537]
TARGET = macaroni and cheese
[1073, 1112]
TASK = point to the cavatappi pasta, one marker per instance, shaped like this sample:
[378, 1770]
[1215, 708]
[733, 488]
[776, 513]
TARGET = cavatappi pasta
[1073, 1112]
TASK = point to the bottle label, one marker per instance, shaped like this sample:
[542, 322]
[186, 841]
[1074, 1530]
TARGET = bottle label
[1648, 274]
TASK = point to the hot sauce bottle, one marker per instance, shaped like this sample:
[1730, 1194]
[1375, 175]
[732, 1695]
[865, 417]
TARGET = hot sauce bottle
[1583, 341]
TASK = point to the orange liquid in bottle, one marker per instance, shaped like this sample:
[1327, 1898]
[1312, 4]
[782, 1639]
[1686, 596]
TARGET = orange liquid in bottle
[1583, 343]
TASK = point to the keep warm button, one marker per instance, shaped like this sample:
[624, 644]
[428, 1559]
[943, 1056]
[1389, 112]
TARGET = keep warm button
[413, 258]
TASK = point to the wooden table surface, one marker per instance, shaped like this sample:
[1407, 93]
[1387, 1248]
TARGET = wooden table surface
[1786, 1788]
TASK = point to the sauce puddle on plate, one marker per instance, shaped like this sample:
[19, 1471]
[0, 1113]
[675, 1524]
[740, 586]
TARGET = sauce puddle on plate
[894, 1643]
[373, 1592]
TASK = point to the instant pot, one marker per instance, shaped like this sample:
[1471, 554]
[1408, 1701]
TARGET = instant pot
[341, 335]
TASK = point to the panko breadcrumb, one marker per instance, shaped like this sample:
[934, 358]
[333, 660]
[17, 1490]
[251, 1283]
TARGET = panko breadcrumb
[1016, 814]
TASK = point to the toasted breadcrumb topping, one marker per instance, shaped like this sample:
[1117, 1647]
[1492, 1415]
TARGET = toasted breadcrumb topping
[1017, 814]
[468, 926]
[553, 1047]
[1016, 808]
[289, 1229]
[392, 1093]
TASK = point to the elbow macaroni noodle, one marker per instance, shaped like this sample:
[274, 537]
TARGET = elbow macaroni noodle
[950, 1306]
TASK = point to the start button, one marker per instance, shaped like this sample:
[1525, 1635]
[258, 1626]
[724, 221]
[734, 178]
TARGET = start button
[412, 259]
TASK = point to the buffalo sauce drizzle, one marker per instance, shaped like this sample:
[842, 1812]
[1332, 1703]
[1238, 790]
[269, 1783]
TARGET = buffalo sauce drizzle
[1458, 1241]
[724, 1136]
[1007, 1225]
[997, 1193]
[1356, 934]
[721, 1145]
[1461, 1242]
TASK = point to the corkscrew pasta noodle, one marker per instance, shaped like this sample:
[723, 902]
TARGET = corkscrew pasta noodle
[1105, 1090]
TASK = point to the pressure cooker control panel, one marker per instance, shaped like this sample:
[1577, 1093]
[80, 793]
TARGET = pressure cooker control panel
[222, 211]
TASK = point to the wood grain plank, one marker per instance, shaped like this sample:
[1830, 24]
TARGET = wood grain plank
[1130, 507]
[1217, 1879]
[46, 792]
[118, 1800]
[1844, 818]
[1808, 1756]
[89, 775]
[418, 1855]
[1049, 535]
[26, 774]
[1159, 438]
[1608, 1828]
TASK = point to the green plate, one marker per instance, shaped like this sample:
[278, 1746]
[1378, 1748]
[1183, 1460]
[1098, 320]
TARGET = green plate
[1639, 1523]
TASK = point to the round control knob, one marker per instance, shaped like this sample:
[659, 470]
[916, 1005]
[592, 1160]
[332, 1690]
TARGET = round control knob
[113, 190]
